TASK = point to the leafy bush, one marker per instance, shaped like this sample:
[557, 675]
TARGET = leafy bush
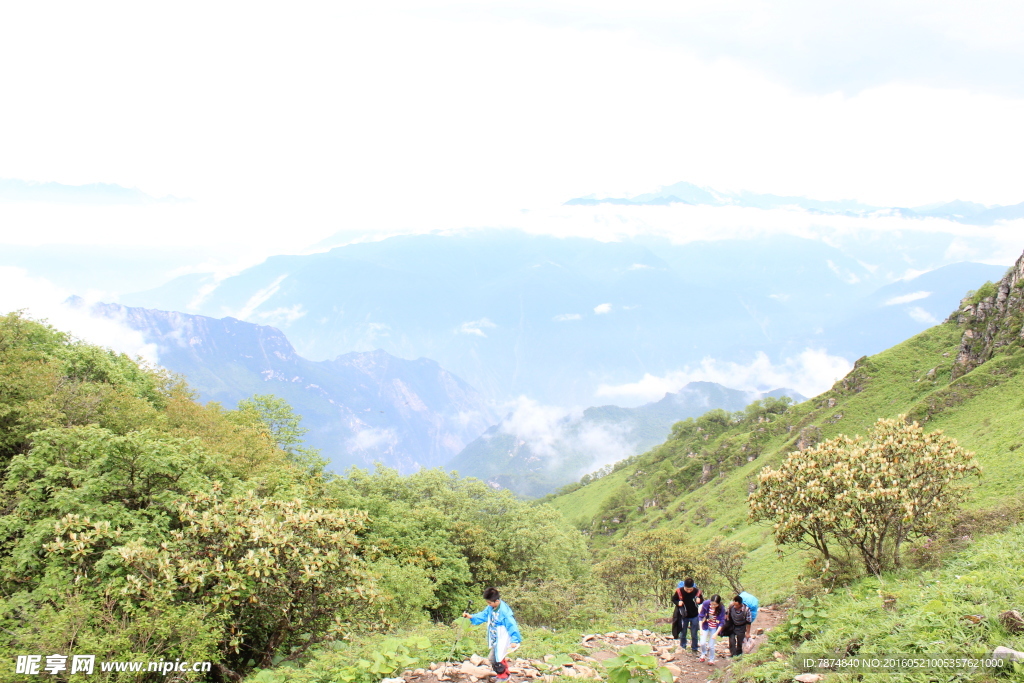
[867, 496]
[805, 620]
[646, 564]
[987, 290]
[281, 575]
[636, 664]
[559, 603]
[384, 659]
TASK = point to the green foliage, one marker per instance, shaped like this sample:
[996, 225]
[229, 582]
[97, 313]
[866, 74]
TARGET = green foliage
[393, 656]
[926, 611]
[636, 664]
[560, 602]
[48, 380]
[713, 423]
[986, 291]
[805, 620]
[276, 418]
[457, 536]
[280, 575]
[646, 565]
[867, 496]
[725, 561]
[460, 648]
[385, 659]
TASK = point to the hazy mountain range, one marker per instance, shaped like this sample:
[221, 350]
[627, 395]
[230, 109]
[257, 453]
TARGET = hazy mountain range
[360, 408]
[534, 459]
[959, 211]
[556, 319]
[363, 408]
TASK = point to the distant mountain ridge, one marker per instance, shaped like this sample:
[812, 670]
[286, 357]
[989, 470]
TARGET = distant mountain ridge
[14, 190]
[959, 211]
[501, 308]
[533, 464]
[361, 408]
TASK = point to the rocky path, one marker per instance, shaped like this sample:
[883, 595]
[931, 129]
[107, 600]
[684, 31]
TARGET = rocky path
[684, 666]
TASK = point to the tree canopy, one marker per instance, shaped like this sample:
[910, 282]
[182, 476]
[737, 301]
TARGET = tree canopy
[865, 496]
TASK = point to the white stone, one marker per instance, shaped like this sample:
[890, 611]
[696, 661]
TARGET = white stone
[1007, 653]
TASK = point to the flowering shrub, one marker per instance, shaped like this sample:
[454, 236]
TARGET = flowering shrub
[866, 496]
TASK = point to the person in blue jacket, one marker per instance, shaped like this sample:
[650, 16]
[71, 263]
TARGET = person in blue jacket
[502, 630]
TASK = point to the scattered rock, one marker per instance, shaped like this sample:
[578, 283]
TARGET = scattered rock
[476, 660]
[778, 656]
[603, 655]
[419, 672]
[471, 669]
[759, 632]
[808, 678]
[576, 657]
[974, 618]
[393, 680]
[434, 666]
[1007, 653]
[588, 638]
[1012, 621]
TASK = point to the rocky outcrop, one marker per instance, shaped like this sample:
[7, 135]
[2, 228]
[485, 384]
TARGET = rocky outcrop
[991, 319]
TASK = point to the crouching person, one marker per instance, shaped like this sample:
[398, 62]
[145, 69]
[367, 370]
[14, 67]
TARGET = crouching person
[502, 630]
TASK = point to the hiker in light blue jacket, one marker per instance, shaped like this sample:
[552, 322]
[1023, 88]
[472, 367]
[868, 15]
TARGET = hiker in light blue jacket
[502, 630]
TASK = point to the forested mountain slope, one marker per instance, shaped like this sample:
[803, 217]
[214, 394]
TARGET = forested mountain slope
[963, 376]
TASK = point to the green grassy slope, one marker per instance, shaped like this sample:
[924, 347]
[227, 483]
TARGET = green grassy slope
[983, 409]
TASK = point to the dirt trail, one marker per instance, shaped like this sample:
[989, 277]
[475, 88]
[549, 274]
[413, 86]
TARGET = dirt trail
[684, 666]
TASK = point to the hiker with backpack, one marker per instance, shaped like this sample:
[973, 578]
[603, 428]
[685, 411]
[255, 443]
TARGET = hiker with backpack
[503, 634]
[685, 615]
[752, 603]
[736, 625]
[712, 613]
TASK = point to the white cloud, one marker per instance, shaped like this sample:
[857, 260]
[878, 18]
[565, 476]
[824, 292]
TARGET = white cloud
[907, 298]
[372, 438]
[810, 373]
[476, 327]
[922, 316]
[567, 316]
[641, 266]
[42, 300]
[848, 277]
[602, 308]
[260, 297]
[553, 432]
[218, 121]
[281, 315]
[541, 427]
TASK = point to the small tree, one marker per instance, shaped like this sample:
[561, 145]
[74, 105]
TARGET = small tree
[275, 417]
[647, 564]
[725, 559]
[865, 495]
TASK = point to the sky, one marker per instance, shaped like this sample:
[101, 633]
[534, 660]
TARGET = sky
[331, 116]
[285, 124]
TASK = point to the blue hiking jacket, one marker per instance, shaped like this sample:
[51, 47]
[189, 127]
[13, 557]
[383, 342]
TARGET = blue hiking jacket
[501, 617]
